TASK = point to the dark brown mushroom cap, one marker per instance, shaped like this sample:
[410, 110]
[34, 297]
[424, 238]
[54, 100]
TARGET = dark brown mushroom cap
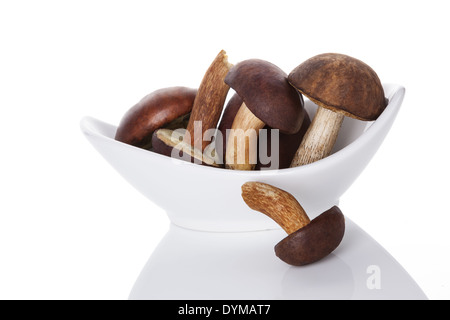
[267, 93]
[314, 241]
[342, 84]
[153, 112]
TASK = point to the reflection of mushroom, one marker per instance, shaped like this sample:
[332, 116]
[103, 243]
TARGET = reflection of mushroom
[161, 108]
[268, 99]
[341, 86]
[308, 241]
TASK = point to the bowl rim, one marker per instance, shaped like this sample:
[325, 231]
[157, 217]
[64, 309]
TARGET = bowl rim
[89, 126]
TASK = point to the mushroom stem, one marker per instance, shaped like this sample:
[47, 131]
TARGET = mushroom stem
[277, 204]
[208, 103]
[241, 152]
[320, 137]
[171, 143]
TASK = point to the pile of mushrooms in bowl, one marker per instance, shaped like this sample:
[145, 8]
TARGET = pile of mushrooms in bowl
[251, 135]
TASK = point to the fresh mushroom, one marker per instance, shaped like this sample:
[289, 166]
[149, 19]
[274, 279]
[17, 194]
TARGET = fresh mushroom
[208, 104]
[307, 241]
[341, 86]
[168, 107]
[268, 100]
[206, 111]
[287, 143]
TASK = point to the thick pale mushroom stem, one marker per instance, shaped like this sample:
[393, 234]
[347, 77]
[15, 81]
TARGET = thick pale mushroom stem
[241, 152]
[320, 137]
[277, 204]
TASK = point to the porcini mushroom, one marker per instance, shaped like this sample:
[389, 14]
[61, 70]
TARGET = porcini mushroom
[341, 86]
[287, 143]
[307, 241]
[206, 111]
[268, 100]
[167, 107]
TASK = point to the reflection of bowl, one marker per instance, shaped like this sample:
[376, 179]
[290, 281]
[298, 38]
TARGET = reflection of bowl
[205, 198]
[190, 265]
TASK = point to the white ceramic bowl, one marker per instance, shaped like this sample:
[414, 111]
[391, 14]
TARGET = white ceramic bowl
[209, 199]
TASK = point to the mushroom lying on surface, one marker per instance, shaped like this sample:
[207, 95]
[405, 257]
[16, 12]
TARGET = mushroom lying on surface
[341, 86]
[307, 241]
[268, 100]
[168, 107]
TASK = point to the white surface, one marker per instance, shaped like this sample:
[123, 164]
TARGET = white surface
[209, 199]
[243, 266]
[71, 227]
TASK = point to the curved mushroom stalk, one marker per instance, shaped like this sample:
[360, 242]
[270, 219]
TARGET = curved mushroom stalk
[277, 204]
[307, 241]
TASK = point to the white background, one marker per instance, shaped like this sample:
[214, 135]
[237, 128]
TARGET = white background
[72, 228]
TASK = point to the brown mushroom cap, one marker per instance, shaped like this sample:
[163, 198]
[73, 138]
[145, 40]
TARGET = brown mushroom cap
[267, 93]
[154, 111]
[314, 241]
[342, 84]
